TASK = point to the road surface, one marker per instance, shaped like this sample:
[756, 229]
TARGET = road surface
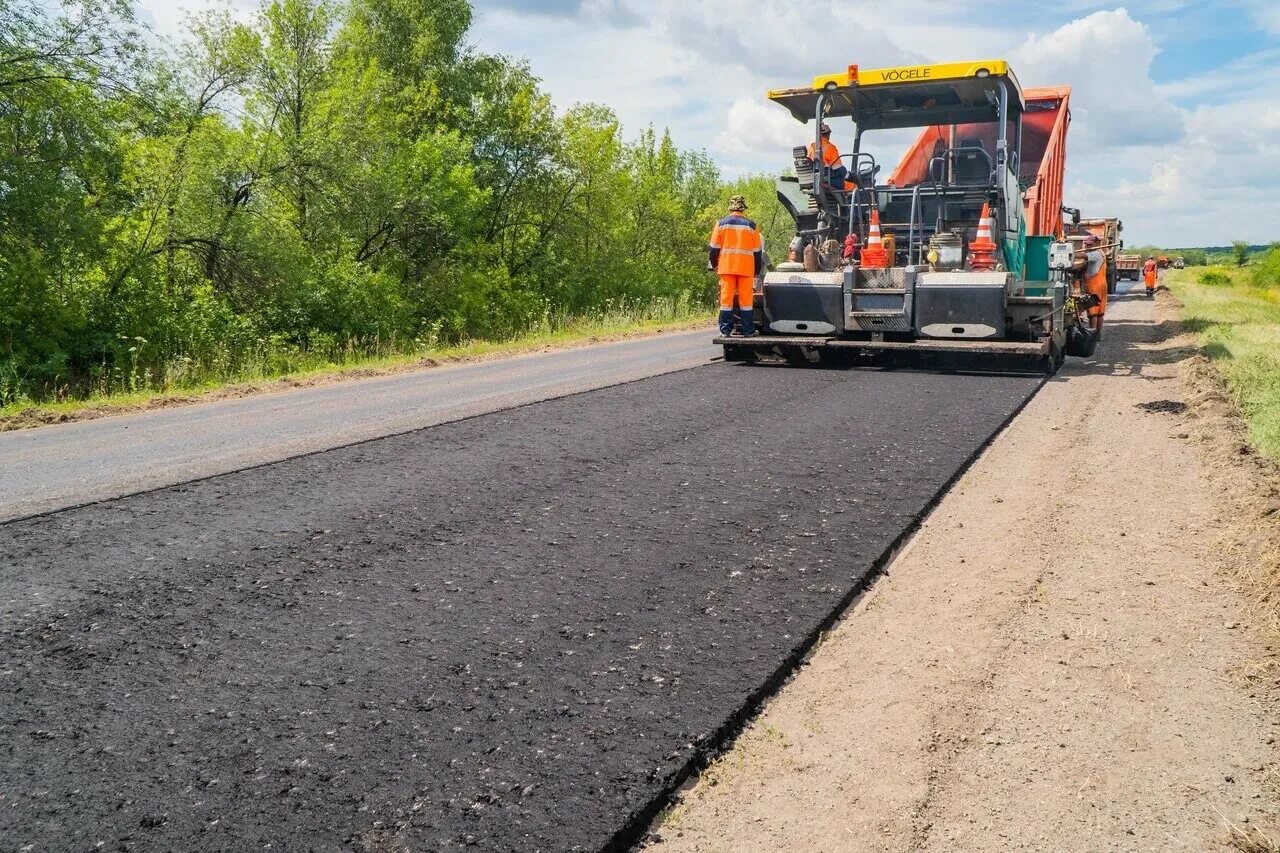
[59, 466]
[515, 632]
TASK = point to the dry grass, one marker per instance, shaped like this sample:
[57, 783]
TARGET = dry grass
[1250, 839]
[1246, 484]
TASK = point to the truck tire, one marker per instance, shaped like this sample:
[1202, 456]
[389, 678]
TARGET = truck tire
[1112, 277]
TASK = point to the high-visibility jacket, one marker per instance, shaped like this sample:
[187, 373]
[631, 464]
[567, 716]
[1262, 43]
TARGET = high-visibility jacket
[1150, 272]
[1096, 281]
[830, 154]
[736, 247]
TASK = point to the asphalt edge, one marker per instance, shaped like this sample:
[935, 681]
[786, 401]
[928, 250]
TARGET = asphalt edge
[49, 513]
[265, 387]
[639, 826]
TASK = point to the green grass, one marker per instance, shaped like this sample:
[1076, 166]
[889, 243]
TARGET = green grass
[149, 386]
[1236, 315]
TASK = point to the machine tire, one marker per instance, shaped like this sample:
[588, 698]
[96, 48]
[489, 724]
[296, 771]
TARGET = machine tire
[1112, 277]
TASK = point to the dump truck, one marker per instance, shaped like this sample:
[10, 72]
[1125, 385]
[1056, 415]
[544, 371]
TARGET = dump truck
[936, 283]
[1129, 267]
[1107, 230]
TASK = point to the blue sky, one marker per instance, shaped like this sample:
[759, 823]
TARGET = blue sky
[1177, 119]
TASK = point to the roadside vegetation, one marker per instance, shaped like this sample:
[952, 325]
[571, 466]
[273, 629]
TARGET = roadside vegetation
[305, 367]
[334, 181]
[1235, 313]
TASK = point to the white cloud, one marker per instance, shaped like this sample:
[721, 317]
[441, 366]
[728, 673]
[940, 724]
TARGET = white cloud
[772, 39]
[1250, 76]
[1220, 184]
[1265, 12]
[759, 128]
[1106, 57]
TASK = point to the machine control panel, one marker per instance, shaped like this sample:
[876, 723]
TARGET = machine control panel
[1061, 256]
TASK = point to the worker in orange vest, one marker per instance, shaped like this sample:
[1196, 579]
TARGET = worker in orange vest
[831, 159]
[1095, 279]
[1151, 274]
[737, 256]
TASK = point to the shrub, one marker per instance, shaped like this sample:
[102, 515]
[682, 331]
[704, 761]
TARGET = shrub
[1214, 278]
[1266, 273]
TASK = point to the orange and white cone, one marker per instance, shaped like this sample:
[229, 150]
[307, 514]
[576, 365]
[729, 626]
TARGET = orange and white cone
[983, 248]
[874, 257]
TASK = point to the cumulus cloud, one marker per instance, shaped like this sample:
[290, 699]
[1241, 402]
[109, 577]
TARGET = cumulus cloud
[1106, 57]
[1218, 184]
[759, 128]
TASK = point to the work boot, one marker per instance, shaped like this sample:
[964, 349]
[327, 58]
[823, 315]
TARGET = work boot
[748, 327]
[726, 322]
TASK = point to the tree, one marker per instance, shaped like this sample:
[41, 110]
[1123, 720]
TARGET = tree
[1240, 252]
[336, 177]
[91, 42]
[292, 72]
[68, 83]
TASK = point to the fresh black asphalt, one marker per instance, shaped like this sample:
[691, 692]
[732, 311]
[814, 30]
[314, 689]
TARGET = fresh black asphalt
[515, 632]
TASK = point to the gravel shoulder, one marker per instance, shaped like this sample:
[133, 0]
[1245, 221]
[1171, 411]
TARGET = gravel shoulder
[1058, 660]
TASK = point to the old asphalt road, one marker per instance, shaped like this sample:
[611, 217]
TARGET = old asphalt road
[60, 466]
[513, 632]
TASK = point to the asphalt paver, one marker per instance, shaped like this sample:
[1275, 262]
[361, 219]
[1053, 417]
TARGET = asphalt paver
[514, 632]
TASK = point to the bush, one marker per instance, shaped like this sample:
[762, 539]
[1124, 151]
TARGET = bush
[1266, 273]
[1214, 278]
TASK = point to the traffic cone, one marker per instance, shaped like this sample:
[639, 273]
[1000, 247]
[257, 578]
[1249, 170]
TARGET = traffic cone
[874, 257]
[982, 249]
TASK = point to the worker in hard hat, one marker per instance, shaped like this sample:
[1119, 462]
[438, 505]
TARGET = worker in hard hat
[831, 159]
[737, 256]
[1151, 274]
[1095, 279]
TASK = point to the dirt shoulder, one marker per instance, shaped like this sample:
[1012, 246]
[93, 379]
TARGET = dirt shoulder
[1060, 659]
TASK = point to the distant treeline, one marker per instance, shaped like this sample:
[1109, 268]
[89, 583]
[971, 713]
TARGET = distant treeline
[335, 176]
[1238, 254]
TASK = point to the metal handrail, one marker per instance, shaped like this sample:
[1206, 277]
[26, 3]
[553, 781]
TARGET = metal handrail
[911, 229]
